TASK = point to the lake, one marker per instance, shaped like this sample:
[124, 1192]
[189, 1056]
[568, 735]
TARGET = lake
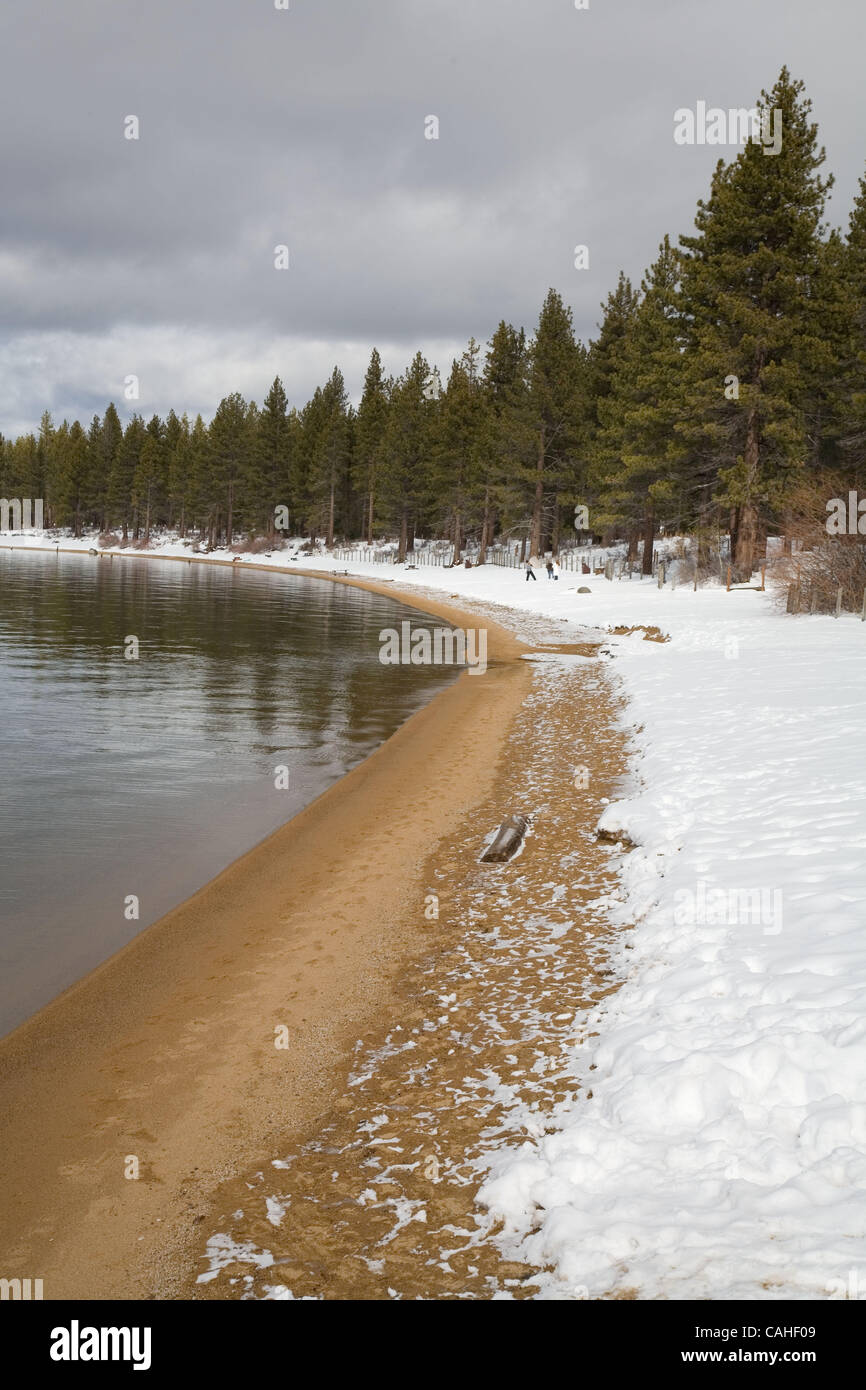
[124, 778]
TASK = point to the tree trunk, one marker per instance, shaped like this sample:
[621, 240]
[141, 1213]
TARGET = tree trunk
[538, 503]
[482, 558]
[329, 539]
[746, 549]
[404, 537]
[747, 543]
[230, 515]
[370, 520]
[649, 533]
[554, 536]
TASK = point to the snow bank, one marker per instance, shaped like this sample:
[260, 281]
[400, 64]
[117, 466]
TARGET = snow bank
[723, 1151]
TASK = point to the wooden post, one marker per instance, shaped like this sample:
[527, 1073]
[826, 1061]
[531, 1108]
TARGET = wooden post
[863, 610]
[763, 577]
[661, 575]
[729, 580]
[839, 593]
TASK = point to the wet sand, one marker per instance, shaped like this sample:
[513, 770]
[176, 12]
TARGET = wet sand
[164, 1059]
[490, 1036]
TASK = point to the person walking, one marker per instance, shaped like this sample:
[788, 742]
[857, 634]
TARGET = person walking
[550, 569]
[530, 572]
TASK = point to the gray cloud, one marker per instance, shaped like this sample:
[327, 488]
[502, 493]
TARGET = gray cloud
[306, 126]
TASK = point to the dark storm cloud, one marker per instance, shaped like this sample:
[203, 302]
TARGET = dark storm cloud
[306, 126]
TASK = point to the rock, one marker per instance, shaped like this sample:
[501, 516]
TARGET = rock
[507, 842]
[584, 590]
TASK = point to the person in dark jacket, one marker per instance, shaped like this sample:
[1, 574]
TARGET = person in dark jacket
[530, 572]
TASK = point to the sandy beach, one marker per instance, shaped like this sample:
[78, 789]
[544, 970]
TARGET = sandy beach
[164, 1058]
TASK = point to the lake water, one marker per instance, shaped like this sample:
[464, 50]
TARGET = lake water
[146, 777]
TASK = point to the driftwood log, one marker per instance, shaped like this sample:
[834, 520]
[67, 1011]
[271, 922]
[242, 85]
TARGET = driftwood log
[509, 838]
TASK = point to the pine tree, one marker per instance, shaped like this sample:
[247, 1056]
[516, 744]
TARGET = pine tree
[850, 399]
[557, 400]
[455, 475]
[637, 415]
[21, 474]
[122, 473]
[149, 481]
[68, 475]
[179, 450]
[105, 439]
[45, 449]
[200, 492]
[407, 451]
[370, 432]
[273, 459]
[231, 439]
[618, 312]
[508, 445]
[330, 454]
[748, 278]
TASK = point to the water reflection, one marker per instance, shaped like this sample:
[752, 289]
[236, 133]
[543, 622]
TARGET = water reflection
[146, 777]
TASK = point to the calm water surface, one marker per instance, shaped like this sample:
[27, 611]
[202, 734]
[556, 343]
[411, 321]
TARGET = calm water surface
[147, 777]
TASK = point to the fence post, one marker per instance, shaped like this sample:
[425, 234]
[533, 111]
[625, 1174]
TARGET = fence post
[863, 610]
[839, 592]
[661, 574]
[729, 580]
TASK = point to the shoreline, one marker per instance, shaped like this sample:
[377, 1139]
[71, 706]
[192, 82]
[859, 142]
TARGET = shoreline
[165, 1053]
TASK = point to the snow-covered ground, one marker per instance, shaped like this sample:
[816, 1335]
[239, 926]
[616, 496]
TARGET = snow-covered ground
[722, 1153]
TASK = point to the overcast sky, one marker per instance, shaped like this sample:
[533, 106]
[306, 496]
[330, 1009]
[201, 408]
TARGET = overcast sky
[306, 126]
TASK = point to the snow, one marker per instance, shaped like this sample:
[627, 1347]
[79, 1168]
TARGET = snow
[722, 1151]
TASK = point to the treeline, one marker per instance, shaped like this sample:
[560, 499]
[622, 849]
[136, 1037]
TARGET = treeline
[730, 380]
